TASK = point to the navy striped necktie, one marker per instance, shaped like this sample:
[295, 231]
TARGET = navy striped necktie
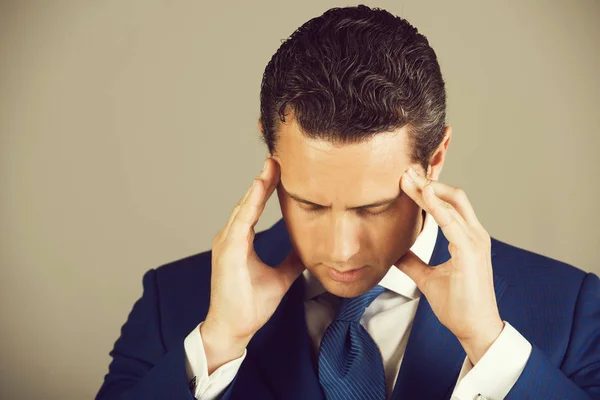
[350, 364]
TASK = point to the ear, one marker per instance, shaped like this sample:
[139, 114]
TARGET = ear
[437, 159]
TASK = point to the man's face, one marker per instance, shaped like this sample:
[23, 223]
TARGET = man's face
[337, 233]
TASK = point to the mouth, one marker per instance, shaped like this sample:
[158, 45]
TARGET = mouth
[346, 276]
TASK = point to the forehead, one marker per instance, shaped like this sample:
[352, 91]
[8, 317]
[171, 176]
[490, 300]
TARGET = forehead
[345, 173]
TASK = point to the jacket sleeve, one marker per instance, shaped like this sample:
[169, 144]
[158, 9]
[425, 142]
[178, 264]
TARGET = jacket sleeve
[578, 377]
[142, 367]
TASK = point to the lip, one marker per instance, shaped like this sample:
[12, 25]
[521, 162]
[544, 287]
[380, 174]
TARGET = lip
[345, 276]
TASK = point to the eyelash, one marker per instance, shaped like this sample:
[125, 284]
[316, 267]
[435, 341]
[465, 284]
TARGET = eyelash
[370, 214]
[361, 211]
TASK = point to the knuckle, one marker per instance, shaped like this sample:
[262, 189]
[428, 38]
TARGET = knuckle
[217, 258]
[216, 239]
[460, 194]
[452, 248]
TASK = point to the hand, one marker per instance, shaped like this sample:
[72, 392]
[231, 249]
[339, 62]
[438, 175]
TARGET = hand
[244, 291]
[461, 290]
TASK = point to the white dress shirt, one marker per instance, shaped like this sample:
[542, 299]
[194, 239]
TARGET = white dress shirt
[388, 319]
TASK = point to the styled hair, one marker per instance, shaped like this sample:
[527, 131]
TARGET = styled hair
[354, 72]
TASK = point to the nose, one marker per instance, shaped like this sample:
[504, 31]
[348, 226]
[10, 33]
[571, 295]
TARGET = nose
[344, 240]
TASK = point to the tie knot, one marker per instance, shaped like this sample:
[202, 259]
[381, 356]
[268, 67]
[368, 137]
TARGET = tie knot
[351, 309]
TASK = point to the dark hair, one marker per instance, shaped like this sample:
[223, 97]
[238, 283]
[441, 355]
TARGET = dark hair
[354, 72]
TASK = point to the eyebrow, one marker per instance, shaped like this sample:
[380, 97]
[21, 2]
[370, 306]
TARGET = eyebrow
[377, 203]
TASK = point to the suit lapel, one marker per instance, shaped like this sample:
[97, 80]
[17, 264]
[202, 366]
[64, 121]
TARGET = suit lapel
[433, 355]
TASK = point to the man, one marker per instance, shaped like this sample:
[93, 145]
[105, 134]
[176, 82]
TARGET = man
[380, 282]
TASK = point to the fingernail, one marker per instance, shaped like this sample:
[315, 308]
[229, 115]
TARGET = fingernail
[408, 177]
[412, 172]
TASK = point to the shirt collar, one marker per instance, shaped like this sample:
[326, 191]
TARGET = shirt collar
[395, 280]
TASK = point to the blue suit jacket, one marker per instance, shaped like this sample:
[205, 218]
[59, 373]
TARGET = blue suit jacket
[552, 304]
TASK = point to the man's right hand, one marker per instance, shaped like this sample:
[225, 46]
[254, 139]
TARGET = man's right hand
[244, 291]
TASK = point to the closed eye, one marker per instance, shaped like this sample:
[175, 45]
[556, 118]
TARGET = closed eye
[367, 212]
[364, 212]
[312, 209]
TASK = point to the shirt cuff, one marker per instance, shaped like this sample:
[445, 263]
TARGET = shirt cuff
[207, 387]
[497, 371]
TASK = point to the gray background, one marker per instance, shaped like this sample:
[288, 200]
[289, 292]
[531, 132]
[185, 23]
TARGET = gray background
[128, 133]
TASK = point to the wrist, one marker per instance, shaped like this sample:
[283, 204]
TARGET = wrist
[220, 347]
[477, 345]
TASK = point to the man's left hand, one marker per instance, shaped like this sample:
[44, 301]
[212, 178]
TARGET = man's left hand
[461, 290]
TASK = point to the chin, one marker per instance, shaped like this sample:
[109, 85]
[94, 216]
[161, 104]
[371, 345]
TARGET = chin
[347, 289]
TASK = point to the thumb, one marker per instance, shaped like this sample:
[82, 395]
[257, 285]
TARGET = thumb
[414, 267]
[290, 268]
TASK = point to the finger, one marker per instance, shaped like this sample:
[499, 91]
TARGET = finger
[415, 268]
[235, 210]
[272, 177]
[232, 216]
[290, 269]
[261, 175]
[450, 221]
[454, 196]
[243, 200]
[246, 218]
